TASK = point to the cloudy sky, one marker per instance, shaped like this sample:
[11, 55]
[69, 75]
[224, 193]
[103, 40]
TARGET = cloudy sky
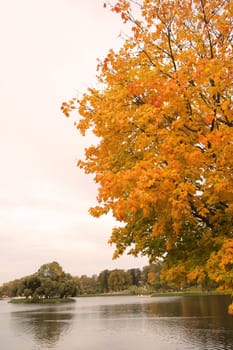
[48, 54]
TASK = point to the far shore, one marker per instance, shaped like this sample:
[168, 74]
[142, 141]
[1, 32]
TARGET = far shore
[23, 300]
[41, 300]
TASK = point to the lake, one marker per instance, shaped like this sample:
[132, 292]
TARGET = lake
[119, 323]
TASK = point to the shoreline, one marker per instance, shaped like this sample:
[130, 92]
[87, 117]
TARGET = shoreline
[41, 301]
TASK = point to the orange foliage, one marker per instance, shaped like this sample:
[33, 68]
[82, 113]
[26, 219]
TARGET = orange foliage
[163, 116]
[220, 265]
[230, 309]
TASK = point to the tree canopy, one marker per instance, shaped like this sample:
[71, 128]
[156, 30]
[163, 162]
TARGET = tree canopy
[50, 281]
[162, 112]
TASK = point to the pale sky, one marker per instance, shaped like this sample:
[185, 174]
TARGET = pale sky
[48, 54]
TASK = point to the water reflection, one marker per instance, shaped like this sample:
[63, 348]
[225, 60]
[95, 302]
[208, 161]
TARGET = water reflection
[46, 325]
[200, 321]
[178, 323]
[186, 322]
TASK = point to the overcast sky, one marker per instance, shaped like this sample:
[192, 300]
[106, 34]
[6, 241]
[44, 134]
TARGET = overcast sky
[48, 54]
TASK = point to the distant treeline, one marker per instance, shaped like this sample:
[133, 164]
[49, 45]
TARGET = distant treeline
[51, 281]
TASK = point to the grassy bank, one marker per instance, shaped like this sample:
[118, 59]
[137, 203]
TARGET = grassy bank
[187, 293]
[41, 301]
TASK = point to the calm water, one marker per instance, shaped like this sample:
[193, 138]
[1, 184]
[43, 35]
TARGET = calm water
[119, 323]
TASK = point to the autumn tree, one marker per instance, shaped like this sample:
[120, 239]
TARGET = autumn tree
[87, 285]
[49, 281]
[51, 270]
[54, 281]
[162, 112]
[103, 280]
[135, 276]
[119, 280]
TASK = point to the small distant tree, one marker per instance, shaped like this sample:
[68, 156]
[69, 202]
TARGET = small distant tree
[51, 270]
[119, 280]
[135, 276]
[87, 285]
[103, 281]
